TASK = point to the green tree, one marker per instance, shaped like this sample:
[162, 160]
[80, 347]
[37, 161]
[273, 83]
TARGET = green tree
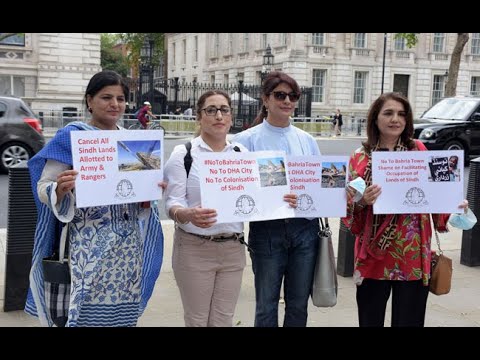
[111, 58]
[135, 41]
[462, 39]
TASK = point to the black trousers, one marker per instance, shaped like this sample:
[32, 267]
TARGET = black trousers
[409, 302]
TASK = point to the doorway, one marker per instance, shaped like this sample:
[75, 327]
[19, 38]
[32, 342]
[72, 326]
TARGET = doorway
[400, 84]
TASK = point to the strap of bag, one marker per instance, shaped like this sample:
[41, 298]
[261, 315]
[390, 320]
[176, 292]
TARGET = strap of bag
[325, 227]
[440, 251]
[187, 160]
[63, 242]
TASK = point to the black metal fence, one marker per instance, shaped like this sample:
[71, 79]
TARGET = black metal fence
[246, 99]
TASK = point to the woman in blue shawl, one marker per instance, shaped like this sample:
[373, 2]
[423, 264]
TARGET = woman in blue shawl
[115, 251]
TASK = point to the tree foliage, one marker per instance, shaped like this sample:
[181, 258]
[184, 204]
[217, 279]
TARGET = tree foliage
[112, 58]
[135, 41]
[453, 69]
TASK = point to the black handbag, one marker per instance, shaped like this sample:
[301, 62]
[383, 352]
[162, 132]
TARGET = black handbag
[57, 282]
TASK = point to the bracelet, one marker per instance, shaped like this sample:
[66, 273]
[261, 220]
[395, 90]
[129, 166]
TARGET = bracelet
[175, 217]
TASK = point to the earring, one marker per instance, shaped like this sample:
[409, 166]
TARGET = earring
[89, 109]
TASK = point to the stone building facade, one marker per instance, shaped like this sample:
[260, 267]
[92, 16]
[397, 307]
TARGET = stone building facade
[346, 70]
[49, 71]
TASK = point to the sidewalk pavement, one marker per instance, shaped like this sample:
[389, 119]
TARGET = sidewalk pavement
[458, 309]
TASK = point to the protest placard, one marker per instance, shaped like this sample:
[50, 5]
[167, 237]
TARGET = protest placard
[418, 181]
[117, 167]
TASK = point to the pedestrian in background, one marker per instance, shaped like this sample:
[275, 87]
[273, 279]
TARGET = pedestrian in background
[338, 123]
[145, 114]
[285, 249]
[392, 251]
[115, 251]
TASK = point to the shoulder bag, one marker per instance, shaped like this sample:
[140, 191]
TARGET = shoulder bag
[441, 271]
[325, 285]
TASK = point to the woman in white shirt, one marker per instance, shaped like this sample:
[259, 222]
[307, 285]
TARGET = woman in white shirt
[208, 258]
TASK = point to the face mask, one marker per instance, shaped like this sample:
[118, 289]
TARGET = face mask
[463, 221]
[359, 185]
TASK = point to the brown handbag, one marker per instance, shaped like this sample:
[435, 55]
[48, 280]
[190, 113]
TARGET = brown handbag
[441, 271]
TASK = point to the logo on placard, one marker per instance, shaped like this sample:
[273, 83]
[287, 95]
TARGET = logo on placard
[305, 202]
[125, 189]
[245, 206]
[415, 196]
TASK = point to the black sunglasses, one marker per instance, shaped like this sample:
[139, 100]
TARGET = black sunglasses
[282, 95]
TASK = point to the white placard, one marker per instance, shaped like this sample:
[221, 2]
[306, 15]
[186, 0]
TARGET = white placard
[418, 182]
[319, 182]
[245, 186]
[117, 167]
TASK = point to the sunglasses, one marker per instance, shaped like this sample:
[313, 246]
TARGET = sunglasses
[282, 95]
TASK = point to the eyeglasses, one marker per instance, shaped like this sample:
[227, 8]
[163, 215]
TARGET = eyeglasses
[212, 110]
[282, 95]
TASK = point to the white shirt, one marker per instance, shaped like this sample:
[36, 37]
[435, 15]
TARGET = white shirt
[185, 192]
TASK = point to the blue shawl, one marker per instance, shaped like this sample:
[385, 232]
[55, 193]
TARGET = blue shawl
[59, 149]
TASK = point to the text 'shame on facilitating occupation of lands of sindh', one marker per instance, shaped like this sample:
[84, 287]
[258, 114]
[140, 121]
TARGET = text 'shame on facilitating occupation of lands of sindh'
[418, 182]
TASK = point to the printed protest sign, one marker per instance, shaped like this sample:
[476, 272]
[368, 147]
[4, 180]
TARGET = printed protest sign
[319, 182]
[418, 181]
[117, 167]
[245, 186]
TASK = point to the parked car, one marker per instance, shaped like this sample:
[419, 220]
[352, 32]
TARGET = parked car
[451, 124]
[21, 134]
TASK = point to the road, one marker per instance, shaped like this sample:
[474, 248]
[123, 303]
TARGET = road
[338, 146]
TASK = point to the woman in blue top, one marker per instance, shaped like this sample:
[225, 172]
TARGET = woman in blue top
[282, 250]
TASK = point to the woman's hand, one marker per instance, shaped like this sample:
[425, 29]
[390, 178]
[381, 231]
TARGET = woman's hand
[291, 199]
[464, 205]
[65, 183]
[203, 218]
[371, 194]
[163, 185]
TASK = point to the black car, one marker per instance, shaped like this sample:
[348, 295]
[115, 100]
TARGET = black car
[451, 124]
[20, 132]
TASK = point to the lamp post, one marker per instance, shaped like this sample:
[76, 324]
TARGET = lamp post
[384, 54]
[267, 63]
[146, 71]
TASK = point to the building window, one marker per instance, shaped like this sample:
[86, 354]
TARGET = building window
[475, 86]
[225, 79]
[230, 44]
[359, 87]
[216, 45]
[438, 88]
[184, 43]
[475, 43]
[318, 39]
[438, 42]
[12, 85]
[400, 44]
[318, 84]
[17, 40]
[264, 41]
[195, 48]
[212, 79]
[174, 55]
[245, 42]
[360, 40]
[283, 39]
